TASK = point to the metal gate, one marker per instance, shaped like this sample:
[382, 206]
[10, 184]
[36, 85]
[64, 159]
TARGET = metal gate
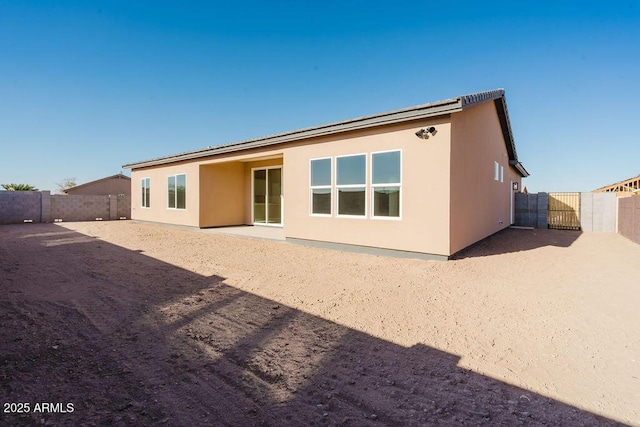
[564, 211]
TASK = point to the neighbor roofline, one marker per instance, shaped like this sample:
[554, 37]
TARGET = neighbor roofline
[433, 109]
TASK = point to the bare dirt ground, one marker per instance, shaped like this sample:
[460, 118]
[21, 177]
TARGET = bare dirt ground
[136, 324]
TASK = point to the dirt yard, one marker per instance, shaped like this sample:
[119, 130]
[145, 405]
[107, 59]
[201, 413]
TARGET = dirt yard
[118, 323]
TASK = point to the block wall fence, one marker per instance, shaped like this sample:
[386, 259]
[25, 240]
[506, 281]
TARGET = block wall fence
[599, 212]
[531, 210]
[42, 206]
[629, 217]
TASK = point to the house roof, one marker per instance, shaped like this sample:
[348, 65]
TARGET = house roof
[432, 109]
[118, 176]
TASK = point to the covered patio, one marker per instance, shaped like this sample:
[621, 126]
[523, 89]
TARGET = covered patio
[252, 231]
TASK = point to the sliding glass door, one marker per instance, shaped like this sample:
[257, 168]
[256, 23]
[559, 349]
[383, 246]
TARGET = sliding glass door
[267, 196]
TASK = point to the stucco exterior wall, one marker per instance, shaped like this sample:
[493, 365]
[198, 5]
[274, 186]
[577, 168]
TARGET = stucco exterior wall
[449, 197]
[158, 210]
[424, 223]
[480, 205]
[222, 194]
[223, 186]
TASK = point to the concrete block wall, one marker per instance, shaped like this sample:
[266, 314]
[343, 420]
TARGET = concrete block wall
[41, 206]
[586, 211]
[531, 210]
[542, 216]
[598, 212]
[18, 206]
[124, 206]
[526, 209]
[629, 217]
[79, 208]
[45, 206]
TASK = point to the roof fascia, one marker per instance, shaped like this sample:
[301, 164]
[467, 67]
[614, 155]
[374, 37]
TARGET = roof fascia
[439, 108]
[500, 102]
[519, 167]
[399, 116]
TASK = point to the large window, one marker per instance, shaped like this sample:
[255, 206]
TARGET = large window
[320, 183]
[386, 182]
[146, 192]
[177, 191]
[351, 184]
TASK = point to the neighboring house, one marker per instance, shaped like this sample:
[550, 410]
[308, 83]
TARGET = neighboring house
[111, 185]
[429, 180]
[625, 188]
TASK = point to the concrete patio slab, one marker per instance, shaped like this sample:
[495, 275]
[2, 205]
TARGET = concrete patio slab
[253, 231]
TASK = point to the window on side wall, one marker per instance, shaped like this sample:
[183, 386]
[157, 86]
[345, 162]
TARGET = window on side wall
[146, 192]
[177, 191]
[386, 184]
[351, 185]
[320, 185]
[496, 171]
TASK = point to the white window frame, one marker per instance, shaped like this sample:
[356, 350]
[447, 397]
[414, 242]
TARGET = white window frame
[373, 186]
[364, 185]
[321, 187]
[501, 173]
[496, 171]
[144, 199]
[176, 192]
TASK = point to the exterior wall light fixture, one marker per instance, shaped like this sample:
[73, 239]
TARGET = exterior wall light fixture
[424, 132]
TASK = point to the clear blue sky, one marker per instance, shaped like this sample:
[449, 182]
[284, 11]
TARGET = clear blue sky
[86, 87]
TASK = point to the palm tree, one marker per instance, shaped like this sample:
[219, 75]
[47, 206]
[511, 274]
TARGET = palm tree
[19, 187]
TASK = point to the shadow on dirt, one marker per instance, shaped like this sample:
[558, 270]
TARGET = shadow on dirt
[154, 344]
[512, 240]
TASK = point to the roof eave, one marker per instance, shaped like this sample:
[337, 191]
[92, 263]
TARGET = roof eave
[399, 116]
[434, 109]
[519, 167]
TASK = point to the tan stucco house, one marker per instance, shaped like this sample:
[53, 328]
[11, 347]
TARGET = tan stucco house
[424, 181]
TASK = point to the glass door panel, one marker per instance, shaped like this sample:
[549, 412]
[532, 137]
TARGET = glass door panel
[259, 196]
[274, 202]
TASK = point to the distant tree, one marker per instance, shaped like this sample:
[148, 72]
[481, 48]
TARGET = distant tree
[19, 187]
[66, 184]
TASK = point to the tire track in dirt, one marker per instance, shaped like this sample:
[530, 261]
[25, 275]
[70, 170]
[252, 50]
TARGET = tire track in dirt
[142, 341]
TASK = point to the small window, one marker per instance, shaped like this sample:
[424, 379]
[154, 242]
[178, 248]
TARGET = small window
[320, 184]
[351, 185]
[177, 191]
[146, 192]
[501, 173]
[386, 183]
[496, 171]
